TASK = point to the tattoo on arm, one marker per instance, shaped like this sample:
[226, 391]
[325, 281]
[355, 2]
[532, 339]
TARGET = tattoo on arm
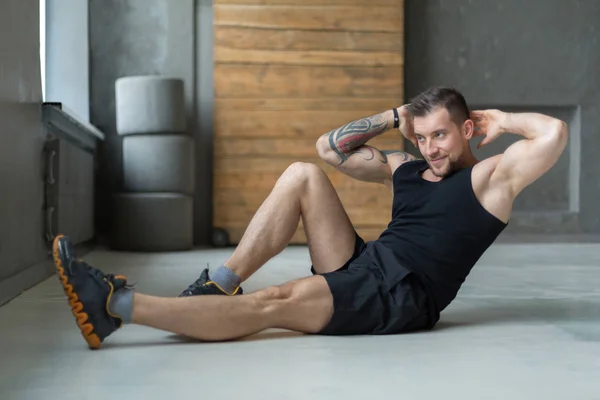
[405, 156]
[368, 153]
[346, 139]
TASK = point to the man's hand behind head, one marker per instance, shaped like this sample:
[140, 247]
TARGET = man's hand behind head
[406, 125]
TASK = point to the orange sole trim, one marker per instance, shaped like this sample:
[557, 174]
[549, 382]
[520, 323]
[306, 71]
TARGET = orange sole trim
[82, 319]
[237, 289]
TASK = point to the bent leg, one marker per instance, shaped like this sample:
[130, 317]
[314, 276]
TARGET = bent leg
[304, 305]
[330, 234]
[303, 191]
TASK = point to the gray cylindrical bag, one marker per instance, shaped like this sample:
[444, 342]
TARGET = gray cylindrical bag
[153, 222]
[159, 163]
[149, 104]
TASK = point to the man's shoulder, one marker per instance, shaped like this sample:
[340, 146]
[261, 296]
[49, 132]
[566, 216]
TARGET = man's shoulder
[493, 193]
[485, 168]
[408, 164]
[485, 178]
[403, 168]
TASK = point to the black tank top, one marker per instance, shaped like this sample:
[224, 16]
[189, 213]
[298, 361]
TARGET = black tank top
[439, 230]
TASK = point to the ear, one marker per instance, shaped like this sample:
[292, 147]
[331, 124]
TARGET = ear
[468, 129]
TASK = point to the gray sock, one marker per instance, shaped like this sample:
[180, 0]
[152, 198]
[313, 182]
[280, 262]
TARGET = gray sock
[121, 304]
[226, 279]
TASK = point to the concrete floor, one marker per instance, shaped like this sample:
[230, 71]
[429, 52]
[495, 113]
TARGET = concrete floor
[526, 325]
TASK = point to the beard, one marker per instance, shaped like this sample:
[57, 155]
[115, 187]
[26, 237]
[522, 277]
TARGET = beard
[447, 168]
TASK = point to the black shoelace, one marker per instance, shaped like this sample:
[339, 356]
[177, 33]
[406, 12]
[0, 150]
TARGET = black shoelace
[194, 286]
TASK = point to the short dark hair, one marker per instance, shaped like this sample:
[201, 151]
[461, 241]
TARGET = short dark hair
[440, 96]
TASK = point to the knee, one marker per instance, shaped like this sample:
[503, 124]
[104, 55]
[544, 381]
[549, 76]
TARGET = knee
[302, 172]
[304, 305]
[276, 298]
[274, 294]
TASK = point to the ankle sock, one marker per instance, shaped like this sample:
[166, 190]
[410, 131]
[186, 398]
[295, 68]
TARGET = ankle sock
[121, 304]
[226, 279]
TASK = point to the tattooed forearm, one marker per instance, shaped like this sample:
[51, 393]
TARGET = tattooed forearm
[348, 138]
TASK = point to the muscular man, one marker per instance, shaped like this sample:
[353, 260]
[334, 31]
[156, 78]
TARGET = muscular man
[448, 208]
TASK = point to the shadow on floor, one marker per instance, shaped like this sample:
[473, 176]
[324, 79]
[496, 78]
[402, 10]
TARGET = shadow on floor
[178, 339]
[509, 311]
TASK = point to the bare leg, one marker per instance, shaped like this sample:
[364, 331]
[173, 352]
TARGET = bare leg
[302, 191]
[304, 305]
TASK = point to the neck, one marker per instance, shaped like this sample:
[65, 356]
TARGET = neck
[469, 160]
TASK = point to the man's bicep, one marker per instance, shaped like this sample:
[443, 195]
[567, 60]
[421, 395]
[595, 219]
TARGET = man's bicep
[396, 158]
[525, 161]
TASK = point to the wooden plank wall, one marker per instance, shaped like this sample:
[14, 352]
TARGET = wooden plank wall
[287, 71]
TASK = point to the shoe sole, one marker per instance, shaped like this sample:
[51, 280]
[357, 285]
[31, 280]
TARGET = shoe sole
[81, 317]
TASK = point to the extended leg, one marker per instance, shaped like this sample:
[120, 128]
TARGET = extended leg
[304, 305]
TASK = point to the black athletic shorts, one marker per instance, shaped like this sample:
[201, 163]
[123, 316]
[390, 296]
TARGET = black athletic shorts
[374, 294]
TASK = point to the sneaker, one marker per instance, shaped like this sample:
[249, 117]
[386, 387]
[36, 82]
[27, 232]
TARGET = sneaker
[204, 285]
[88, 291]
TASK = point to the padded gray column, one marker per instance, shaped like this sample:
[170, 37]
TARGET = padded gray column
[155, 210]
[149, 104]
[153, 222]
[158, 163]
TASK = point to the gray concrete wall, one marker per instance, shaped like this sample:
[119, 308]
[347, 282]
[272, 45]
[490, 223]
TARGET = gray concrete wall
[538, 55]
[21, 141]
[142, 37]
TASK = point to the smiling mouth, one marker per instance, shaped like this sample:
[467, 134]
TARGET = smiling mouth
[438, 159]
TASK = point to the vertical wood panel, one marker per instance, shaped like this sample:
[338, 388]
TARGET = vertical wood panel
[287, 71]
